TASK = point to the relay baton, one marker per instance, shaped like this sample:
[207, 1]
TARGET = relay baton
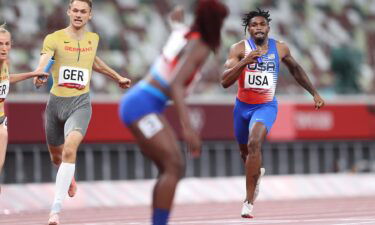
[50, 63]
[253, 47]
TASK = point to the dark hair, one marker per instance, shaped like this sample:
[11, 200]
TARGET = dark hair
[209, 17]
[248, 16]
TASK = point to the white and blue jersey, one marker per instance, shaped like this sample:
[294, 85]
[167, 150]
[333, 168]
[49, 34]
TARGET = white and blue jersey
[257, 83]
[144, 98]
[256, 101]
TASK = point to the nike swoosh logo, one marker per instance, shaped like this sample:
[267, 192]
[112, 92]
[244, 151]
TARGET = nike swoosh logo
[66, 42]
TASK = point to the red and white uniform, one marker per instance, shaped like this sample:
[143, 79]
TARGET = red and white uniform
[257, 83]
[162, 70]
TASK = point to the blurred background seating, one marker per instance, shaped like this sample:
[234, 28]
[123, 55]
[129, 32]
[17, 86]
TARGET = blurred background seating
[331, 39]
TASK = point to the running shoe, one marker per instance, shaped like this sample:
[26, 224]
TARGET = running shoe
[247, 209]
[53, 219]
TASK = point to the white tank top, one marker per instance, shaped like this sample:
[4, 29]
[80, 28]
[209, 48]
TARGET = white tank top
[162, 69]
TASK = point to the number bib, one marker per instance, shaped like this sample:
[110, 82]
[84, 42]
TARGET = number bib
[73, 77]
[4, 89]
[262, 80]
[150, 125]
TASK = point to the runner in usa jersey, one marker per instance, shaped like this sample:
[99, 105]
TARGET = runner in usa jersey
[254, 64]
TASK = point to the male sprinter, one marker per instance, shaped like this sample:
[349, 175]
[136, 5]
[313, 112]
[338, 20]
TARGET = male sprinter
[254, 63]
[68, 110]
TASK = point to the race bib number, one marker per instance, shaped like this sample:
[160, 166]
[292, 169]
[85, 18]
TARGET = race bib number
[262, 80]
[73, 77]
[150, 125]
[4, 89]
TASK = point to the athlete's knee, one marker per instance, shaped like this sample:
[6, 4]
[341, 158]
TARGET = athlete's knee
[243, 152]
[55, 153]
[175, 166]
[69, 154]
[254, 146]
[56, 158]
[243, 155]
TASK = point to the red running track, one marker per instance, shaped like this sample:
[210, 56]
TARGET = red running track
[348, 211]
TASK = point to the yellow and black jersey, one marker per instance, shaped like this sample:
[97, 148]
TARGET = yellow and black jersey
[74, 59]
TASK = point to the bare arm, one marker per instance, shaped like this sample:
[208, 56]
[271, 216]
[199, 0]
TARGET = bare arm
[101, 67]
[196, 53]
[299, 74]
[14, 78]
[236, 62]
[43, 61]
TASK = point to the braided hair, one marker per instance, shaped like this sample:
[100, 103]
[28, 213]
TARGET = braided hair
[248, 16]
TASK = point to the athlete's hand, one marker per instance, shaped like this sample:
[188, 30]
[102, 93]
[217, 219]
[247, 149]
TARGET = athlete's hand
[40, 78]
[40, 74]
[319, 102]
[252, 57]
[193, 141]
[124, 82]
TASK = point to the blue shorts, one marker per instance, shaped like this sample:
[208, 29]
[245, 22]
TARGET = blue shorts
[141, 100]
[245, 115]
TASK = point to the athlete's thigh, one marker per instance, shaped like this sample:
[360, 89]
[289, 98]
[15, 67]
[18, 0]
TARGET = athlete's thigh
[3, 139]
[78, 120]
[55, 150]
[156, 139]
[73, 140]
[265, 115]
[241, 123]
[54, 128]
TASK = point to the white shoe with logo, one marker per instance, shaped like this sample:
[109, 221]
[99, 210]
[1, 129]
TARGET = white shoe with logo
[247, 207]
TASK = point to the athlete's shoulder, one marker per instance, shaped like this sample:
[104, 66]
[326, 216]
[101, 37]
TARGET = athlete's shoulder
[57, 33]
[281, 43]
[282, 49]
[241, 43]
[93, 35]
[238, 46]
[237, 50]
[54, 36]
